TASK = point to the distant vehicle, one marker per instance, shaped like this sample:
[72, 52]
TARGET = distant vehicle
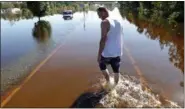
[67, 14]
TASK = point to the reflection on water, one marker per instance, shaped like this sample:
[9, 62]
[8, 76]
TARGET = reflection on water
[167, 35]
[33, 41]
[11, 17]
[60, 29]
[67, 18]
[84, 20]
[25, 14]
[42, 31]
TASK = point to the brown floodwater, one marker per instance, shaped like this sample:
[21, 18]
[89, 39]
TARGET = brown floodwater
[157, 53]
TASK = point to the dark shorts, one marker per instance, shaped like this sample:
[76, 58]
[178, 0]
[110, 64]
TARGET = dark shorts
[113, 61]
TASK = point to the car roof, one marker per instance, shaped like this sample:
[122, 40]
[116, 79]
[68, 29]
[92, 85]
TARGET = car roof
[67, 10]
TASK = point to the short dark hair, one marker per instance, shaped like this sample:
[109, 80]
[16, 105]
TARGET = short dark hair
[100, 9]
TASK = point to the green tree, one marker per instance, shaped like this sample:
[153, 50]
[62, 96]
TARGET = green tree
[155, 11]
[26, 13]
[6, 5]
[17, 5]
[158, 19]
[42, 31]
[23, 5]
[38, 9]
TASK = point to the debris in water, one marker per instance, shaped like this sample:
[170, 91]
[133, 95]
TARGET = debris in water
[128, 93]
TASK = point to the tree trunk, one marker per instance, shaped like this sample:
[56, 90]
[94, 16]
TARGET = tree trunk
[39, 18]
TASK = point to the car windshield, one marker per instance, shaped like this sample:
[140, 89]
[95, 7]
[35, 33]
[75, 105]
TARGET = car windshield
[67, 12]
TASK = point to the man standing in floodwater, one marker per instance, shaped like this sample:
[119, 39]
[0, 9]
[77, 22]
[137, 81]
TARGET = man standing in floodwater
[111, 42]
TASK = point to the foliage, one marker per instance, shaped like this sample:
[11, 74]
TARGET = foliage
[155, 11]
[42, 31]
[6, 5]
[43, 8]
[159, 21]
[49, 8]
[25, 14]
[38, 9]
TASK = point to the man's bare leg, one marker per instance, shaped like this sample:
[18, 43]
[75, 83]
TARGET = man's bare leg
[106, 75]
[116, 78]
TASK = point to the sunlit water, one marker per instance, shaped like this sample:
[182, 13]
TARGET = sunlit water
[20, 55]
[21, 52]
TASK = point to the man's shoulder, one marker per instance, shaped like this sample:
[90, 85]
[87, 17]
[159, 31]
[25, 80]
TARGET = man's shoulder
[105, 22]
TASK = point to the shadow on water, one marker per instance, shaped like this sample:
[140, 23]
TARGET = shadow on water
[67, 18]
[42, 31]
[89, 99]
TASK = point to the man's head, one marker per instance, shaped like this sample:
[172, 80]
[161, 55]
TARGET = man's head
[102, 13]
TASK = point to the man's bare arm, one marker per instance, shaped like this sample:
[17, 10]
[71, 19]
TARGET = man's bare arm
[104, 31]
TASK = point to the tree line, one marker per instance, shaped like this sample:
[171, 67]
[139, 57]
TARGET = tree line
[43, 8]
[155, 11]
[162, 21]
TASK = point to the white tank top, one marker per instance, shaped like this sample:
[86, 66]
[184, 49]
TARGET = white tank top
[113, 46]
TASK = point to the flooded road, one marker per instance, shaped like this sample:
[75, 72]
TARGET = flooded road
[80, 38]
[21, 51]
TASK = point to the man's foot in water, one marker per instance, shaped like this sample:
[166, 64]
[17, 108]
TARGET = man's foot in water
[108, 86]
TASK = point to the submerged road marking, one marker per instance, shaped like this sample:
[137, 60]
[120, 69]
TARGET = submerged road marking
[9, 97]
[12, 93]
[138, 71]
[143, 81]
[15, 90]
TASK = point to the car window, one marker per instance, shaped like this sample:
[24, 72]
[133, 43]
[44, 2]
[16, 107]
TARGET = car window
[67, 12]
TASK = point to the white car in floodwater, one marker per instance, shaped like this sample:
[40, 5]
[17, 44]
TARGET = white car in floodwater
[67, 14]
